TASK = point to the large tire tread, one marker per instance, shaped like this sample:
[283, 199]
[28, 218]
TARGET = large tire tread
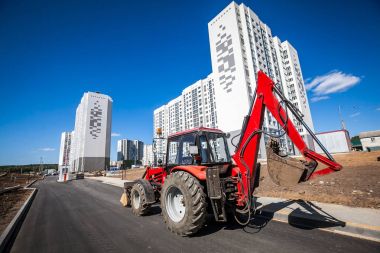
[143, 208]
[195, 217]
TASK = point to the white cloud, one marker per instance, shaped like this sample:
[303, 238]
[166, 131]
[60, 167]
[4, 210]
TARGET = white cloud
[46, 149]
[115, 134]
[354, 114]
[333, 82]
[316, 99]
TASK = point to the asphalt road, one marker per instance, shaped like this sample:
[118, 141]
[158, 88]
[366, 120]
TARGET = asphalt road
[86, 216]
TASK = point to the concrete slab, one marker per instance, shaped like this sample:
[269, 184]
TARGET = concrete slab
[110, 180]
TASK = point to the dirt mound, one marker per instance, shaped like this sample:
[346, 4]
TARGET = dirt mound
[358, 184]
[133, 174]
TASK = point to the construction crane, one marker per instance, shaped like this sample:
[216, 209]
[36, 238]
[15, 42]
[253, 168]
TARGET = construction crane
[199, 176]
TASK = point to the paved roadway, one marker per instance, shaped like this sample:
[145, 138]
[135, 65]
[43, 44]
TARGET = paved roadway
[85, 216]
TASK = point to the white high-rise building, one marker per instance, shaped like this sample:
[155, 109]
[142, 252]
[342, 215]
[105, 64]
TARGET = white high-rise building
[160, 120]
[92, 133]
[195, 107]
[65, 151]
[175, 115]
[199, 104]
[241, 45]
[293, 85]
[72, 152]
[148, 158]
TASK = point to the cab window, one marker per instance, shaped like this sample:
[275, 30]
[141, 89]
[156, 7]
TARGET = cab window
[179, 150]
[219, 151]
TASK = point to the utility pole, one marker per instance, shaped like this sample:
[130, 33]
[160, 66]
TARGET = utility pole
[341, 119]
[41, 168]
[135, 154]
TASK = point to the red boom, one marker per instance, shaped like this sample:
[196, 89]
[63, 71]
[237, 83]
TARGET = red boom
[247, 151]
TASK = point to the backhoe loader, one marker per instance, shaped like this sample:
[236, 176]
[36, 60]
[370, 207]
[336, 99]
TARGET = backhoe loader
[199, 177]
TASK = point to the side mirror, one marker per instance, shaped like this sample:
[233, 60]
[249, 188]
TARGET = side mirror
[193, 150]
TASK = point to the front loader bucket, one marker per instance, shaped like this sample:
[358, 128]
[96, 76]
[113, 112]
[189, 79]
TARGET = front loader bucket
[125, 199]
[283, 171]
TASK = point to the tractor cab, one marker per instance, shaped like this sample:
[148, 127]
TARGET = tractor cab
[199, 147]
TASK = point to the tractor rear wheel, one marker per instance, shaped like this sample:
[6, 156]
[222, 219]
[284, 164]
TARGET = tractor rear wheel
[183, 203]
[138, 200]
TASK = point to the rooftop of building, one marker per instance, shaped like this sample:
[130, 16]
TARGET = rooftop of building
[206, 129]
[369, 134]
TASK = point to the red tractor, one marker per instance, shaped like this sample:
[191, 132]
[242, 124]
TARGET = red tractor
[200, 177]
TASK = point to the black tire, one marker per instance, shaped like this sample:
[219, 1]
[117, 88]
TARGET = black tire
[138, 208]
[194, 201]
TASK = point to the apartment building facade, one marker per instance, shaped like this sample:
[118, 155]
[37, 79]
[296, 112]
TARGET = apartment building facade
[65, 150]
[294, 86]
[240, 45]
[148, 158]
[195, 107]
[92, 133]
[130, 150]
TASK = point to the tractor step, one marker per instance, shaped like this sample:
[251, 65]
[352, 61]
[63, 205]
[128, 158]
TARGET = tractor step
[214, 191]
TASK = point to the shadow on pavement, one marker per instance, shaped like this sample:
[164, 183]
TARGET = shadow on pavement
[306, 216]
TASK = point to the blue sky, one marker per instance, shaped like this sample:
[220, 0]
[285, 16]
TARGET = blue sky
[143, 53]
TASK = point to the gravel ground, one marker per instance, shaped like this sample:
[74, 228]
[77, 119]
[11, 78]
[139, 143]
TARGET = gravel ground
[10, 203]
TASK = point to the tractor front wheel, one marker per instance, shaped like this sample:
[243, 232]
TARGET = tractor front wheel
[183, 203]
[138, 200]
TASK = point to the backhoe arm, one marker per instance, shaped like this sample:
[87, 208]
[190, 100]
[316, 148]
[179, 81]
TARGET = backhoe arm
[246, 153]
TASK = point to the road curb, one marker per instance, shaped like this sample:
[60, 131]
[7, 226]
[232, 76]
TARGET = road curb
[8, 189]
[10, 233]
[30, 184]
[361, 231]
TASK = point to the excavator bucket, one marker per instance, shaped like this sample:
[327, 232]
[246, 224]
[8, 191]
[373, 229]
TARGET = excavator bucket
[284, 171]
[125, 200]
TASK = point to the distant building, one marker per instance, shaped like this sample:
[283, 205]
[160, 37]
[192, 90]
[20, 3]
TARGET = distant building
[139, 149]
[195, 107]
[356, 143]
[334, 141]
[65, 151]
[92, 133]
[370, 140]
[148, 158]
[130, 150]
[124, 150]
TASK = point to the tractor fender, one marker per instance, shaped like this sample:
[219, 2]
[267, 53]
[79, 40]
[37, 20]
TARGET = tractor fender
[197, 171]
